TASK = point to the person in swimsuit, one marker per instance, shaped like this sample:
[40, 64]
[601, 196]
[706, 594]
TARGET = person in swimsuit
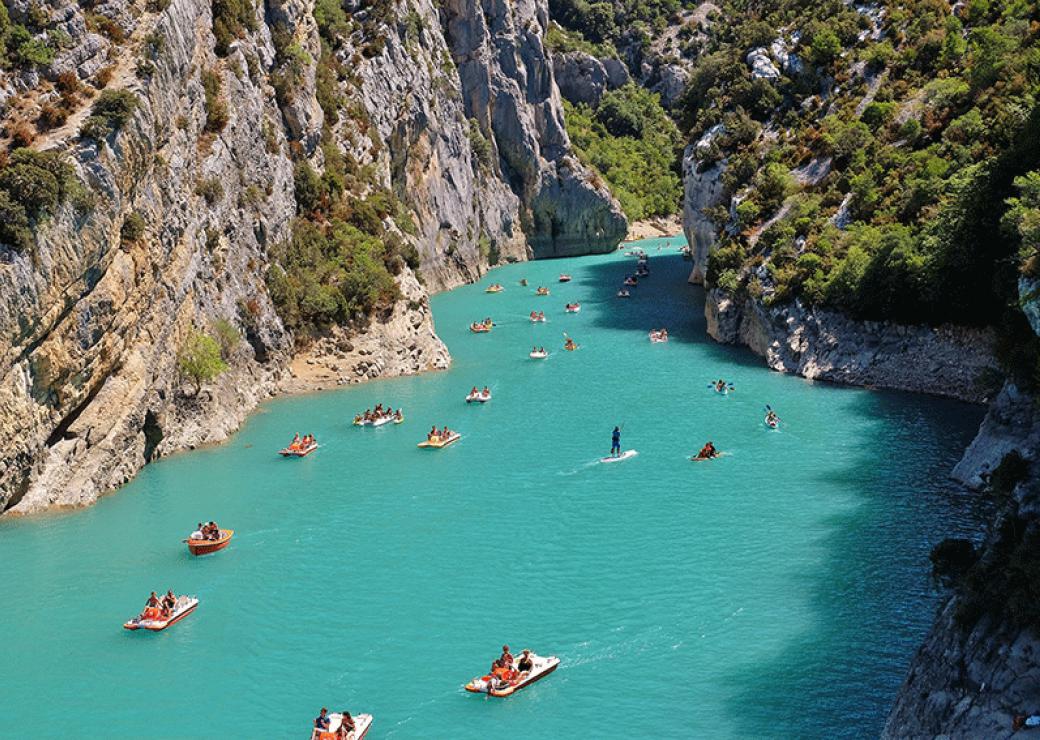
[525, 664]
[615, 442]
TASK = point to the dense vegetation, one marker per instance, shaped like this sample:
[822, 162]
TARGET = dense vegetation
[32, 186]
[633, 144]
[340, 263]
[927, 123]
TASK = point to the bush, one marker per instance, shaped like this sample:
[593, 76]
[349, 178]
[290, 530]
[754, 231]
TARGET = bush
[14, 224]
[210, 189]
[133, 228]
[38, 181]
[479, 144]
[227, 336]
[199, 360]
[216, 107]
[231, 20]
[110, 112]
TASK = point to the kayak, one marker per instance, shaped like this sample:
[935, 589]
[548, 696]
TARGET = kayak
[185, 605]
[542, 667]
[772, 423]
[623, 456]
[362, 724]
[572, 308]
[478, 397]
[538, 355]
[724, 391]
[289, 452]
[437, 443]
[205, 547]
[570, 348]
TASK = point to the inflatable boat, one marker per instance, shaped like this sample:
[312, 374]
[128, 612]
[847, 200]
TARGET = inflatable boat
[362, 724]
[199, 546]
[151, 619]
[437, 443]
[543, 666]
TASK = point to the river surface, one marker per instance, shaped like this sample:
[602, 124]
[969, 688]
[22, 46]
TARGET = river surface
[778, 591]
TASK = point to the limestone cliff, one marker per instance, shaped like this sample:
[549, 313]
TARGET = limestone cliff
[94, 313]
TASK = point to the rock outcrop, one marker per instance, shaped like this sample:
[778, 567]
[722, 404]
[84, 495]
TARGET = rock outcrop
[825, 345]
[702, 189]
[582, 78]
[509, 89]
[92, 322]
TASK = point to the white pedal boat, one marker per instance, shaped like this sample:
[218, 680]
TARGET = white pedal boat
[543, 666]
[362, 724]
[184, 606]
[478, 397]
[538, 355]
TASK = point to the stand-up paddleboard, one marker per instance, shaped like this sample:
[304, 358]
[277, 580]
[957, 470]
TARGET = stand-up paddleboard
[623, 456]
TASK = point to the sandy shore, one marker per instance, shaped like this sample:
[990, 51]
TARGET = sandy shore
[655, 227]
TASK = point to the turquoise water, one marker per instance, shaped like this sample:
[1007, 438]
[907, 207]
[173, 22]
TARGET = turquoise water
[778, 591]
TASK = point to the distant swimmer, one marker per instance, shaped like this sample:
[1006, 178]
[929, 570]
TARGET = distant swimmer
[615, 442]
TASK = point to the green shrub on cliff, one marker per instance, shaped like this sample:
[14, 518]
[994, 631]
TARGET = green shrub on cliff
[231, 20]
[216, 107]
[199, 360]
[633, 144]
[110, 112]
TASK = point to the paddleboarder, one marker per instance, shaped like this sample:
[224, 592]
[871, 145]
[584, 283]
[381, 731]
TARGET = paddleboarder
[615, 443]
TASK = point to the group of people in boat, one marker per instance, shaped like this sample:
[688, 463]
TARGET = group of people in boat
[570, 345]
[708, 452]
[482, 326]
[299, 443]
[345, 731]
[631, 280]
[506, 670]
[371, 416]
[159, 607]
[486, 392]
[537, 315]
[573, 306]
[436, 435]
[538, 351]
[495, 288]
[659, 335]
[208, 531]
[542, 291]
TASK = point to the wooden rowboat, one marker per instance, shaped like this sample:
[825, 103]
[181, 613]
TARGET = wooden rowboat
[205, 547]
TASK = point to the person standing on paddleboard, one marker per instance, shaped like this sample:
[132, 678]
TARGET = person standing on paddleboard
[615, 443]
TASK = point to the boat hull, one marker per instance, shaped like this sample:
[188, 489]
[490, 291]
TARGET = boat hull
[428, 445]
[153, 625]
[205, 547]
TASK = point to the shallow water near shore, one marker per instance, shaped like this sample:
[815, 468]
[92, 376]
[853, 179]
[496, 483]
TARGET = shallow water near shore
[778, 591]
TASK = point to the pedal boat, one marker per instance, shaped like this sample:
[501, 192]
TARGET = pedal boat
[298, 452]
[565, 278]
[542, 291]
[437, 443]
[572, 307]
[205, 547]
[543, 666]
[362, 724]
[479, 328]
[185, 605]
[479, 397]
[494, 289]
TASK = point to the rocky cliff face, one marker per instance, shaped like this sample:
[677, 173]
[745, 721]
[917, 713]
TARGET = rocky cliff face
[702, 189]
[826, 345]
[91, 323]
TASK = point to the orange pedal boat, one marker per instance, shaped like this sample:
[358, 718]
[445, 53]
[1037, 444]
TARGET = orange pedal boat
[205, 547]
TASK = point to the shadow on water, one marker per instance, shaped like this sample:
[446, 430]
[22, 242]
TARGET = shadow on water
[856, 606]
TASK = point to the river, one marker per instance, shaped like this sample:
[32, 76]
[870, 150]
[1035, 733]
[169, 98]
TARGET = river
[777, 591]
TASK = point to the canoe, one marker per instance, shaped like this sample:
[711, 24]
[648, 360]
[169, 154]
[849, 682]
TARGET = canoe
[185, 605]
[205, 547]
[288, 452]
[543, 666]
[362, 724]
[478, 397]
[436, 443]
